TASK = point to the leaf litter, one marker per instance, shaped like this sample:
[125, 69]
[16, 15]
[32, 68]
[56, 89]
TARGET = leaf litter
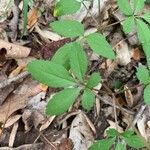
[23, 100]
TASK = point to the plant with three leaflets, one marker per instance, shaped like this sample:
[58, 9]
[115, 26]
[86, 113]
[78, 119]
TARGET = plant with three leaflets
[67, 69]
[134, 20]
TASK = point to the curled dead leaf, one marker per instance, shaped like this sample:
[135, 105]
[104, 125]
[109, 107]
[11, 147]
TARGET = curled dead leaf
[14, 50]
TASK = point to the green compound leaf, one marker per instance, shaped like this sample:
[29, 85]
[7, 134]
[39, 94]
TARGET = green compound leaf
[146, 16]
[62, 55]
[143, 74]
[66, 7]
[143, 35]
[94, 79]
[88, 99]
[138, 5]
[100, 46]
[147, 95]
[68, 28]
[112, 133]
[128, 24]
[134, 141]
[104, 144]
[125, 7]
[78, 61]
[61, 102]
[120, 146]
[50, 73]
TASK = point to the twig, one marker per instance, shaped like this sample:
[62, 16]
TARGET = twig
[9, 81]
[138, 115]
[116, 106]
[99, 12]
[115, 112]
[97, 24]
[131, 88]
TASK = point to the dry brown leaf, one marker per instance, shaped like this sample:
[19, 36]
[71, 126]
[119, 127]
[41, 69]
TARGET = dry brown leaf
[13, 134]
[47, 123]
[16, 71]
[81, 133]
[13, 50]
[123, 53]
[141, 124]
[32, 17]
[128, 96]
[19, 99]
[27, 119]
[48, 35]
[136, 54]
[12, 120]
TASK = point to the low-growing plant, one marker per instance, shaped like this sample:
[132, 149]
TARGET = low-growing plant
[68, 67]
[139, 22]
[118, 141]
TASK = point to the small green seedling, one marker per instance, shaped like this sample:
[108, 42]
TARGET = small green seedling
[118, 141]
[134, 20]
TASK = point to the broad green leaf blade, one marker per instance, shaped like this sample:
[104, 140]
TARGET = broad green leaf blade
[61, 102]
[94, 79]
[128, 24]
[66, 7]
[25, 15]
[120, 146]
[134, 141]
[68, 28]
[143, 35]
[100, 46]
[88, 99]
[104, 144]
[147, 95]
[111, 133]
[128, 133]
[146, 16]
[143, 74]
[62, 55]
[125, 7]
[50, 73]
[78, 61]
[138, 5]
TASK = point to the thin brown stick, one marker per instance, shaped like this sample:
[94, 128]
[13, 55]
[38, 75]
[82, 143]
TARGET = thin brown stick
[9, 81]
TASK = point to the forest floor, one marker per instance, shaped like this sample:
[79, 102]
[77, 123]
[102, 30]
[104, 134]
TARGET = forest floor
[23, 122]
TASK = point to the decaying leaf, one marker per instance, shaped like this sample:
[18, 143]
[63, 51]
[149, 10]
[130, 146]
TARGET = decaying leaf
[47, 35]
[136, 55]
[13, 50]
[81, 133]
[12, 120]
[13, 134]
[5, 8]
[123, 53]
[32, 17]
[128, 96]
[19, 99]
